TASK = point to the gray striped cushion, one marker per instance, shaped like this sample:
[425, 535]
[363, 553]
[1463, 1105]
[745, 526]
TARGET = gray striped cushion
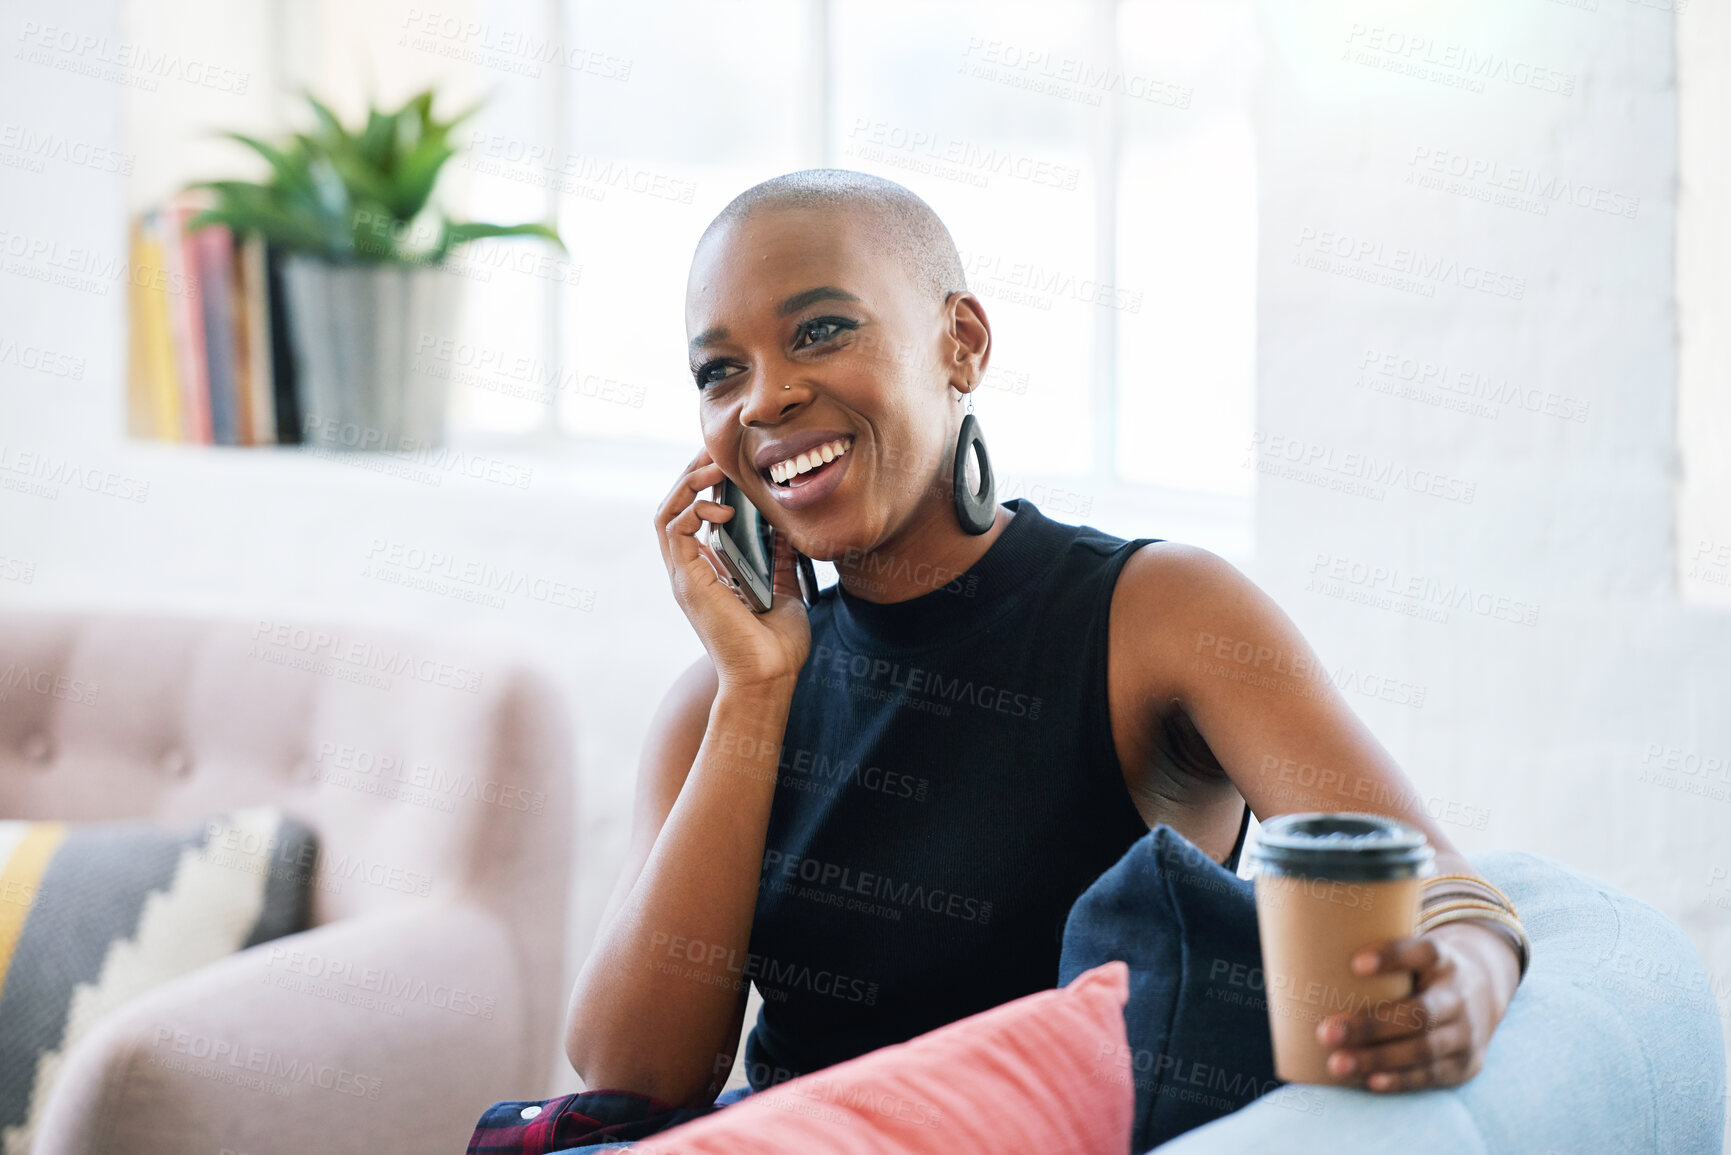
[94, 913]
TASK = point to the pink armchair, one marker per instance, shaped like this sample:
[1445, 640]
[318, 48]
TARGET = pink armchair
[440, 783]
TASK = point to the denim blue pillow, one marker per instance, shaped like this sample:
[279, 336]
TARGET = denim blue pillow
[1196, 1019]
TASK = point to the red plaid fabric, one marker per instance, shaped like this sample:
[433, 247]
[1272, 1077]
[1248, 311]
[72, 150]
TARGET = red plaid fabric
[540, 1127]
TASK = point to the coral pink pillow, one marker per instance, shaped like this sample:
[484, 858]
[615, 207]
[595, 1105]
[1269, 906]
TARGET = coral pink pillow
[1048, 1074]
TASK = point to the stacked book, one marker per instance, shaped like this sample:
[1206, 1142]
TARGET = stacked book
[210, 357]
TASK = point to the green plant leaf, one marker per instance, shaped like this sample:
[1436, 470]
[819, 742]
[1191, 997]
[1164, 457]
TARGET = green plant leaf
[378, 141]
[265, 209]
[290, 171]
[276, 228]
[421, 104]
[476, 230]
[417, 174]
[362, 180]
[461, 233]
[363, 194]
[376, 233]
[329, 126]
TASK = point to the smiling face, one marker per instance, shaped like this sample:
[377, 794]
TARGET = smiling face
[809, 337]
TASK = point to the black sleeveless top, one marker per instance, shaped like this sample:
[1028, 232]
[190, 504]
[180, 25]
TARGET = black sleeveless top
[948, 787]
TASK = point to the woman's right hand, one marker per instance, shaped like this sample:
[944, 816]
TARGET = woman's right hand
[748, 648]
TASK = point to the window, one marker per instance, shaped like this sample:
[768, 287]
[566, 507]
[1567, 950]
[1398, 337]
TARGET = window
[1186, 240]
[705, 114]
[1094, 162]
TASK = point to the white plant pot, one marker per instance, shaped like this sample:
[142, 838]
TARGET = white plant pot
[355, 331]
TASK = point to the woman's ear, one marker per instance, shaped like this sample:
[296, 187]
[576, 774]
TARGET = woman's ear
[970, 340]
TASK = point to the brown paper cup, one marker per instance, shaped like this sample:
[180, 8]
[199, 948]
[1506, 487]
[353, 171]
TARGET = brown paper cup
[1328, 885]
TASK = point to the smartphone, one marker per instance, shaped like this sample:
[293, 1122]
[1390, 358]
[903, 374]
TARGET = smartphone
[745, 543]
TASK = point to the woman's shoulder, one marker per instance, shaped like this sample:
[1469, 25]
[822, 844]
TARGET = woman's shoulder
[1178, 600]
[1185, 580]
[1178, 567]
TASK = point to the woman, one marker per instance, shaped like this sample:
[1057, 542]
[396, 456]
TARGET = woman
[880, 809]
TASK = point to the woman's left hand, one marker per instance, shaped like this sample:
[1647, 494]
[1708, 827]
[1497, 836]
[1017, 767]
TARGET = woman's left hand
[1464, 975]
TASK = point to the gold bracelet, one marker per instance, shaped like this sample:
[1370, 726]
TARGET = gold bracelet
[1471, 879]
[1461, 904]
[1441, 894]
[1442, 917]
[1445, 900]
[1517, 934]
[1472, 909]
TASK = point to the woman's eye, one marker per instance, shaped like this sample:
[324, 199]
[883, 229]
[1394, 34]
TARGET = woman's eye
[712, 372]
[820, 329]
[813, 332]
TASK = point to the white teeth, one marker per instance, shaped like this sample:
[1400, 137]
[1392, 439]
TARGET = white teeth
[783, 471]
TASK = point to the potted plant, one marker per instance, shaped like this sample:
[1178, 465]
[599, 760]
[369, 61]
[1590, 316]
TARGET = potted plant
[349, 210]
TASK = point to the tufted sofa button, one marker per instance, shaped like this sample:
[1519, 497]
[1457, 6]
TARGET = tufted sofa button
[176, 763]
[36, 747]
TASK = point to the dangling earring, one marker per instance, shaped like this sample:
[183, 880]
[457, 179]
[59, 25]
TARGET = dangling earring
[976, 511]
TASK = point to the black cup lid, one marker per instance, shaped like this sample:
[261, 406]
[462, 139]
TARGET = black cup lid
[1349, 846]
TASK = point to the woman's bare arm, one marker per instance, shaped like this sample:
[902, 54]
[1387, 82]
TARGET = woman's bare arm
[658, 1005]
[1208, 638]
[1202, 634]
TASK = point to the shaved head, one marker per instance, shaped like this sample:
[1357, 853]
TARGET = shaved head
[910, 230]
[830, 305]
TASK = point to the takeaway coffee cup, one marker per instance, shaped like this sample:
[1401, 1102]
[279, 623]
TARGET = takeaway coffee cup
[1328, 885]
